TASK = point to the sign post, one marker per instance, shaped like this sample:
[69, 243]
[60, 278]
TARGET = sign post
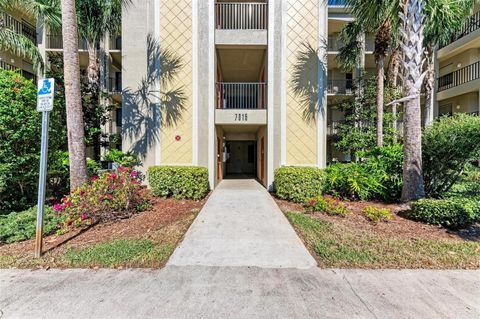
[46, 88]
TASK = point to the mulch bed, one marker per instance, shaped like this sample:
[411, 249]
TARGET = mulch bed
[164, 212]
[399, 227]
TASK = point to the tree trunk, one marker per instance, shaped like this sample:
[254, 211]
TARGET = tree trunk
[412, 40]
[73, 99]
[380, 93]
[429, 89]
[93, 70]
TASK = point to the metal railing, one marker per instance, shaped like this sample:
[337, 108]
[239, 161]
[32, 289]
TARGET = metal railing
[369, 44]
[26, 74]
[114, 85]
[471, 24]
[55, 42]
[241, 95]
[335, 44]
[116, 43]
[461, 76]
[241, 16]
[332, 128]
[341, 87]
[18, 26]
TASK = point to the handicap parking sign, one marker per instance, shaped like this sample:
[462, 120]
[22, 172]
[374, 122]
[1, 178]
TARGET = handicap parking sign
[46, 88]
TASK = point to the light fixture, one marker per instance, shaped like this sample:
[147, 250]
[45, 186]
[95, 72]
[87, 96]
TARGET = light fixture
[459, 65]
[458, 107]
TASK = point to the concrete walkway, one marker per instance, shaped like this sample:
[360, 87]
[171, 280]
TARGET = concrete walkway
[241, 225]
[239, 292]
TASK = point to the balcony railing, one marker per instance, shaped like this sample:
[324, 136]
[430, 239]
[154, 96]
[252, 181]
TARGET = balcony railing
[18, 26]
[116, 43]
[471, 24]
[115, 85]
[241, 16]
[335, 44]
[461, 76]
[241, 95]
[55, 42]
[9, 67]
[340, 87]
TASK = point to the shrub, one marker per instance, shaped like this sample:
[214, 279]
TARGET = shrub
[108, 197]
[330, 206]
[297, 184]
[352, 181]
[124, 159]
[376, 215]
[21, 226]
[449, 144]
[20, 128]
[179, 182]
[452, 213]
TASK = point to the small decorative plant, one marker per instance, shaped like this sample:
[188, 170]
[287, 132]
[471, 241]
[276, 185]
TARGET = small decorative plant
[110, 196]
[330, 206]
[376, 215]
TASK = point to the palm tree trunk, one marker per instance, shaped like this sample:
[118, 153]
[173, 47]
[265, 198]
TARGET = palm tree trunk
[93, 69]
[412, 38]
[380, 97]
[73, 99]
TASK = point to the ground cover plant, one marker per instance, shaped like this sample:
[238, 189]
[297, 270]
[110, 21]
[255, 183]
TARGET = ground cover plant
[328, 205]
[376, 215]
[340, 243]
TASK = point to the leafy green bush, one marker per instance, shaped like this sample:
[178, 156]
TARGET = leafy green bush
[297, 184]
[180, 182]
[452, 213]
[376, 215]
[124, 159]
[330, 206]
[21, 226]
[352, 181]
[20, 127]
[449, 144]
[109, 196]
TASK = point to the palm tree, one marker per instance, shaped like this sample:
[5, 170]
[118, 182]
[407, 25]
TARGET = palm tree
[412, 40]
[96, 19]
[371, 16]
[45, 12]
[73, 99]
[443, 18]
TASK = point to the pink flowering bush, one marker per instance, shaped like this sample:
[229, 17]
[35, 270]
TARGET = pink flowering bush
[110, 196]
[330, 206]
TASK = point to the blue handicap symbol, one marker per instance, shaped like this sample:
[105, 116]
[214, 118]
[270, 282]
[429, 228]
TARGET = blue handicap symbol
[46, 88]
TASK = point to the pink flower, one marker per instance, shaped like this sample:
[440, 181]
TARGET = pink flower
[312, 202]
[69, 222]
[57, 207]
[134, 174]
[94, 178]
[112, 186]
[122, 169]
[82, 192]
[113, 175]
[84, 216]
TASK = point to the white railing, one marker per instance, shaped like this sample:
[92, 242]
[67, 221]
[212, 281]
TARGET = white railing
[241, 95]
[241, 16]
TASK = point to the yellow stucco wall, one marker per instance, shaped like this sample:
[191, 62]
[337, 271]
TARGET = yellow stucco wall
[176, 36]
[301, 135]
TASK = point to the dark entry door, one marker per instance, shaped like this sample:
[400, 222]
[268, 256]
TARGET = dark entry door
[242, 159]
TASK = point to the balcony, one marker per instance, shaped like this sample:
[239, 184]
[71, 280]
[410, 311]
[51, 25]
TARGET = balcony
[471, 24]
[335, 44]
[18, 26]
[28, 75]
[115, 85]
[244, 96]
[55, 42]
[340, 87]
[241, 16]
[116, 43]
[462, 76]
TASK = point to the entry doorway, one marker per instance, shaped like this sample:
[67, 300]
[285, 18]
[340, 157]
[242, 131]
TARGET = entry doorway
[241, 159]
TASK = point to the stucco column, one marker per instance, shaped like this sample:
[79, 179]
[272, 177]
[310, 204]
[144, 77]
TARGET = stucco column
[42, 47]
[322, 83]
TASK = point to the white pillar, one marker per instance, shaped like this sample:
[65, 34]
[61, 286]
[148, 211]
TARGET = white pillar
[42, 47]
[322, 83]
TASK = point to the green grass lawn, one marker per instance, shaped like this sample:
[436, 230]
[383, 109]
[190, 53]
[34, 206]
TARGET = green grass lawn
[337, 246]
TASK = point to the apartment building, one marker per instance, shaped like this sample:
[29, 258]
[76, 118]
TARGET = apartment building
[255, 86]
[458, 69]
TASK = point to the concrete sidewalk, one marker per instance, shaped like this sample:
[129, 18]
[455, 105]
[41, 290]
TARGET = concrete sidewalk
[241, 225]
[239, 292]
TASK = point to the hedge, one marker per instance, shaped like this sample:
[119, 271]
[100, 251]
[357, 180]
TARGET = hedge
[454, 213]
[298, 184]
[179, 182]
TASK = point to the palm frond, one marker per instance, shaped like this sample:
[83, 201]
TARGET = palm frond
[20, 45]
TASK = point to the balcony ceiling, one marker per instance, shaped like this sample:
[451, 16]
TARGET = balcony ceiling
[241, 65]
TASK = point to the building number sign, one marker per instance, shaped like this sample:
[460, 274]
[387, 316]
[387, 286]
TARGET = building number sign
[241, 117]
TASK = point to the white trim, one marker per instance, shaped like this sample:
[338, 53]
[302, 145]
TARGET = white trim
[271, 92]
[156, 33]
[195, 104]
[211, 93]
[283, 87]
[323, 51]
